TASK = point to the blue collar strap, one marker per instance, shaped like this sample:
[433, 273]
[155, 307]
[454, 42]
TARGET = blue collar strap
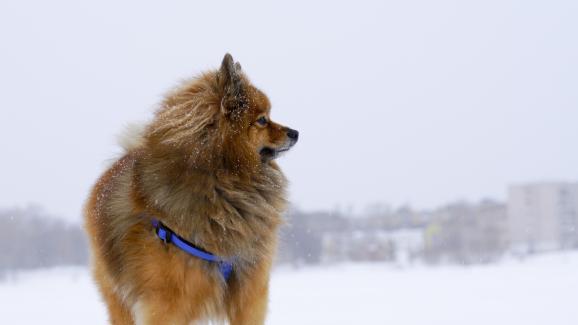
[169, 237]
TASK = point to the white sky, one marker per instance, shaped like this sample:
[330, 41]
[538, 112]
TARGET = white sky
[417, 101]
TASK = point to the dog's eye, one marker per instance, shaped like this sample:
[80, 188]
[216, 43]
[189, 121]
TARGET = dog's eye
[262, 121]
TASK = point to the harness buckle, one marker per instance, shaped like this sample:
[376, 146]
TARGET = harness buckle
[164, 233]
[225, 268]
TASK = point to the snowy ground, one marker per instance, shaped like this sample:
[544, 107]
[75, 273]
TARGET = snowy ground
[541, 290]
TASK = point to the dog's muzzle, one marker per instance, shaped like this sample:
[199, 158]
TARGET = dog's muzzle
[269, 153]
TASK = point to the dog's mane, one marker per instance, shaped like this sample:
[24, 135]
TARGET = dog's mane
[183, 116]
[188, 111]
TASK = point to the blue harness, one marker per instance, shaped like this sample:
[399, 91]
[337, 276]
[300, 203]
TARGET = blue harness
[169, 237]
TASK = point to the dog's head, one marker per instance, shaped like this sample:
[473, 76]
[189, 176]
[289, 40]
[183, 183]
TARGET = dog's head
[247, 110]
[220, 120]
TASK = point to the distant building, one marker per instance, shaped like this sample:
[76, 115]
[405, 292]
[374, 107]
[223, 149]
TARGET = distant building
[543, 216]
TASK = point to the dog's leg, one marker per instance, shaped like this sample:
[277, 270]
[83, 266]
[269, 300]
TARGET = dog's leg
[118, 312]
[247, 303]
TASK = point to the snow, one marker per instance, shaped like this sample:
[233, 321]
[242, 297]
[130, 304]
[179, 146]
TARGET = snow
[540, 290]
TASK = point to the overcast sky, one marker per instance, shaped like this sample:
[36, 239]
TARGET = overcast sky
[418, 101]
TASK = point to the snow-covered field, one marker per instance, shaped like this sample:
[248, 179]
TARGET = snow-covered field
[540, 290]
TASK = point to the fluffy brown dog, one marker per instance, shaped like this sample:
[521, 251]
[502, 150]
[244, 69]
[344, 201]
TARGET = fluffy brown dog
[204, 167]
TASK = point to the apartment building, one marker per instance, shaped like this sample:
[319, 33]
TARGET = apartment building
[543, 216]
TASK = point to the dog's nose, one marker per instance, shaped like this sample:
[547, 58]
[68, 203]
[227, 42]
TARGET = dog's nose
[292, 134]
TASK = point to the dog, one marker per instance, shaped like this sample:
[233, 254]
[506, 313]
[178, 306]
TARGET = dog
[183, 227]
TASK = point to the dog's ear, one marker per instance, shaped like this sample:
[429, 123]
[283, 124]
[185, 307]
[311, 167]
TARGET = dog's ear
[231, 82]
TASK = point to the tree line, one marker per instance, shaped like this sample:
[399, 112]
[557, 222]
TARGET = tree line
[29, 238]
